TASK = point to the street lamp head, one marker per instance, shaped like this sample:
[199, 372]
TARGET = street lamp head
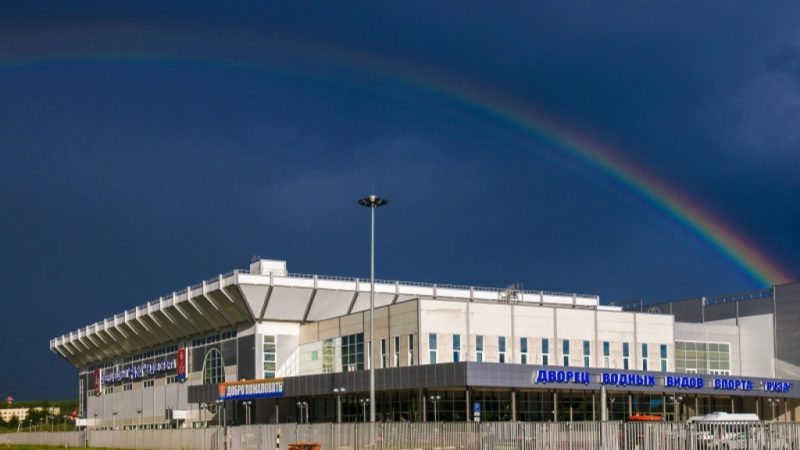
[373, 201]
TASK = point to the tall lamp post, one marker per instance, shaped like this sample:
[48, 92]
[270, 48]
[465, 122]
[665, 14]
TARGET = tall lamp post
[372, 202]
[338, 392]
[247, 411]
[435, 399]
[676, 401]
[114, 420]
[364, 402]
[773, 402]
[221, 406]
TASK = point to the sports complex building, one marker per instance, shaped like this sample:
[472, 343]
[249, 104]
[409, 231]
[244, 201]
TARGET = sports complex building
[263, 346]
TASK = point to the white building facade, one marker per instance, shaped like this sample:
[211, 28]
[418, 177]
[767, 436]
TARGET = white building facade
[285, 341]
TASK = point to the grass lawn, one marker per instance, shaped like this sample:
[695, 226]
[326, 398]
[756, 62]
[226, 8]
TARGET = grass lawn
[44, 447]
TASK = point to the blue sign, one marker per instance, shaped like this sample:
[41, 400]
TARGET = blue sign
[562, 376]
[627, 379]
[733, 385]
[776, 386]
[243, 390]
[139, 371]
[679, 382]
[476, 408]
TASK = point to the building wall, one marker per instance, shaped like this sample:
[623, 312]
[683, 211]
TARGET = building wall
[787, 316]
[400, 319]
[757, 346]
[163, 395]
[514, 321]
[717, 332]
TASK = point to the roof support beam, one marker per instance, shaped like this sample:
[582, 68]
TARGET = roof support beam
[177, 324]
[200, 313]
[135, 336]
[246, 313]
[183, 316]
[310, 301]
[217, 309]
[266, 301]
[168, 331]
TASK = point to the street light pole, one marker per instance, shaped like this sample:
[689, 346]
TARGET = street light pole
[372, 202]
[339, 392]
[773, 402]
[364, 402]
[435, 399]
[676, 401]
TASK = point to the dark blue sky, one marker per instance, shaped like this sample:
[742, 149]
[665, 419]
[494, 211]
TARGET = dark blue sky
[149, 146]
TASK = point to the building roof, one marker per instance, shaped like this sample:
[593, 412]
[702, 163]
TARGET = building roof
[266, 292]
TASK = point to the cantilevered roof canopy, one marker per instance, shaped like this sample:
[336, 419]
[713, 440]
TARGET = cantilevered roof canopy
[264, 293]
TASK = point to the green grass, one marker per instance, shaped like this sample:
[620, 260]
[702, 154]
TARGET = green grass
[46, 447]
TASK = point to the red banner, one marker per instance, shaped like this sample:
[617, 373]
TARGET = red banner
[98, 382]
[180, 370]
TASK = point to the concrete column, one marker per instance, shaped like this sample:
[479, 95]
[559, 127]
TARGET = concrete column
[603, 404]
[424, 405]
[630, 405]
[513, 405]
[555, 404]
[469, 405]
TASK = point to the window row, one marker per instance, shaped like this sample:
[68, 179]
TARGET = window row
[583, 358]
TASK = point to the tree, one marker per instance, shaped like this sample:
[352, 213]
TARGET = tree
[13, 422]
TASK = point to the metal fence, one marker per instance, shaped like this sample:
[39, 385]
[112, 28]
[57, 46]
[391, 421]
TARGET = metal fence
[445, 436]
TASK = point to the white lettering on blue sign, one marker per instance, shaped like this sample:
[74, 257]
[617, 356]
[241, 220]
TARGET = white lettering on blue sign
[264, 389]
[683, 382]
[733, 385]
[139, 371]
[627, 379]
[562, 376]
[776, 386]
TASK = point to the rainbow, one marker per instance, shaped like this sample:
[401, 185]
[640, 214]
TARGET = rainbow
[255, 52]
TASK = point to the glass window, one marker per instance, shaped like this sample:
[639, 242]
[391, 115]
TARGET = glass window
[479, 348]
[702, 358]
[456, 347]
[565, 352]
[353, 352]
[213, 368]
[396, 361]
[501, 345]
[328, 356]
[545, 351]
[410, 349]
[606, 354]
[384, 353]
[523, 345]
[587, 353]
[626, 351]
[270, 360]
[433, 347]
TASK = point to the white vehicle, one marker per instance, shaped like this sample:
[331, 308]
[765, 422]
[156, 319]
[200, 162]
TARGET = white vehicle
[720, 430]
[727, 417]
